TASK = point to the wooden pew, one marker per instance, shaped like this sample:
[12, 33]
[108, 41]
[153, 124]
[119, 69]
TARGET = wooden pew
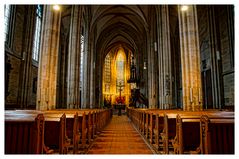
[187, 139]
[73, 132]
[55, 139]
[85, 128]
[169, 132]
[72, 125]
[162, 129]
[80, 130]
[88, 126]
[82, 127]
[157, 131]
[159, 128]
[188, 130]
[24, 134]
[152, 127]
[72, 128]
[55, 134]
[217, 135]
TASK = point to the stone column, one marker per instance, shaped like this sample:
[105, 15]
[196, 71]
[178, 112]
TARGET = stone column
[73, 74]
[48, 62]
[85, 93]
[164, 58]
[150, 71]
[92, 73]
[190, 58]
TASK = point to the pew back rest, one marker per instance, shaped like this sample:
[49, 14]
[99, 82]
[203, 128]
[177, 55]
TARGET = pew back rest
[217, 135]
[24, 134]
[55, 131]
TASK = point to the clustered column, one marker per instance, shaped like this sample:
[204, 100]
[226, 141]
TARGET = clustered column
[73, 76]
[190, 58]
[164, 58]
[48, 63]
[151, 75]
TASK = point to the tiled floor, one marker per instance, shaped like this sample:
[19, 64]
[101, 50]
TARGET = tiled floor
[119, 137]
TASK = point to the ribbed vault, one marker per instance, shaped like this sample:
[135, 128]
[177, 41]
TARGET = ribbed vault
[118, 24]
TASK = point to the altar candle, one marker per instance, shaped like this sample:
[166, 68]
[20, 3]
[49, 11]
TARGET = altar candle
[199, 93]
[191, 94]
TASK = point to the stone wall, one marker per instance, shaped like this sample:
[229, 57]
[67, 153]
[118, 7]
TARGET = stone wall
[13, 52]
[229, 90]
[18, 31]
[203, 30]
[13, 81]
[227, 53]
[15, 55]
[216, 31]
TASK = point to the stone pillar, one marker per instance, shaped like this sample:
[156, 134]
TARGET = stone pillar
[164, 59]
[73, 73]
[48, 62]
[190, 58]
[150, 72]
[85, 93]
[92, 74]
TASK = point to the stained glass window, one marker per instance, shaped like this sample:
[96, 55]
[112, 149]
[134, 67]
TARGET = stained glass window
[37, 35]
[107, 73]
[120, 62]
[7, 11]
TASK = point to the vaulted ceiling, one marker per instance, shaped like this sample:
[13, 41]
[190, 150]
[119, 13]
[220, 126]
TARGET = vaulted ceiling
[119, 24]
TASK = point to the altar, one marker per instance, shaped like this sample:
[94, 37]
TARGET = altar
[119, 107]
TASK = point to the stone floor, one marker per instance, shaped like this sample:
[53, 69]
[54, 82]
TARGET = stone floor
[119, 137]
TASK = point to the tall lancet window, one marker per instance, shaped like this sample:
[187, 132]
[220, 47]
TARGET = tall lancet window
[120, 68]
[37, 34]
[7, 11]
[107, 73]
[81, 59]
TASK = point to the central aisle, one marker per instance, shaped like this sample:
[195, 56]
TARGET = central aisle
[119, 137]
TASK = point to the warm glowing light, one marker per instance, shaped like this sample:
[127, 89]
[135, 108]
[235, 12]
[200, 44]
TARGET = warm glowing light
[184, 8]
[120, 55]
[56, 7]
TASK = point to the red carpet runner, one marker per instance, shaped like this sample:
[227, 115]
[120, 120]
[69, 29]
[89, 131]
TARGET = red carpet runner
[119, 137]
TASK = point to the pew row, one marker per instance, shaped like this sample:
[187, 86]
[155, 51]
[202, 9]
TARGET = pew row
[77, 129]
[176, 131]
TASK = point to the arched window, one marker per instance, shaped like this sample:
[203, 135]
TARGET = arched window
[107, 72]
[7, 11]
[120, 64]
[37, 35]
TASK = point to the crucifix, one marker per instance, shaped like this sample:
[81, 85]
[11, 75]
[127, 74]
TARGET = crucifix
[119, 107]
[120, 88]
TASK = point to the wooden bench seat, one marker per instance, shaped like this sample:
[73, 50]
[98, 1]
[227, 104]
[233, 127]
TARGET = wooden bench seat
[217, 135]
[55, 134]
[83, 128]
[76, 130]
[174, 131]
[188, 130]
[24, 134]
